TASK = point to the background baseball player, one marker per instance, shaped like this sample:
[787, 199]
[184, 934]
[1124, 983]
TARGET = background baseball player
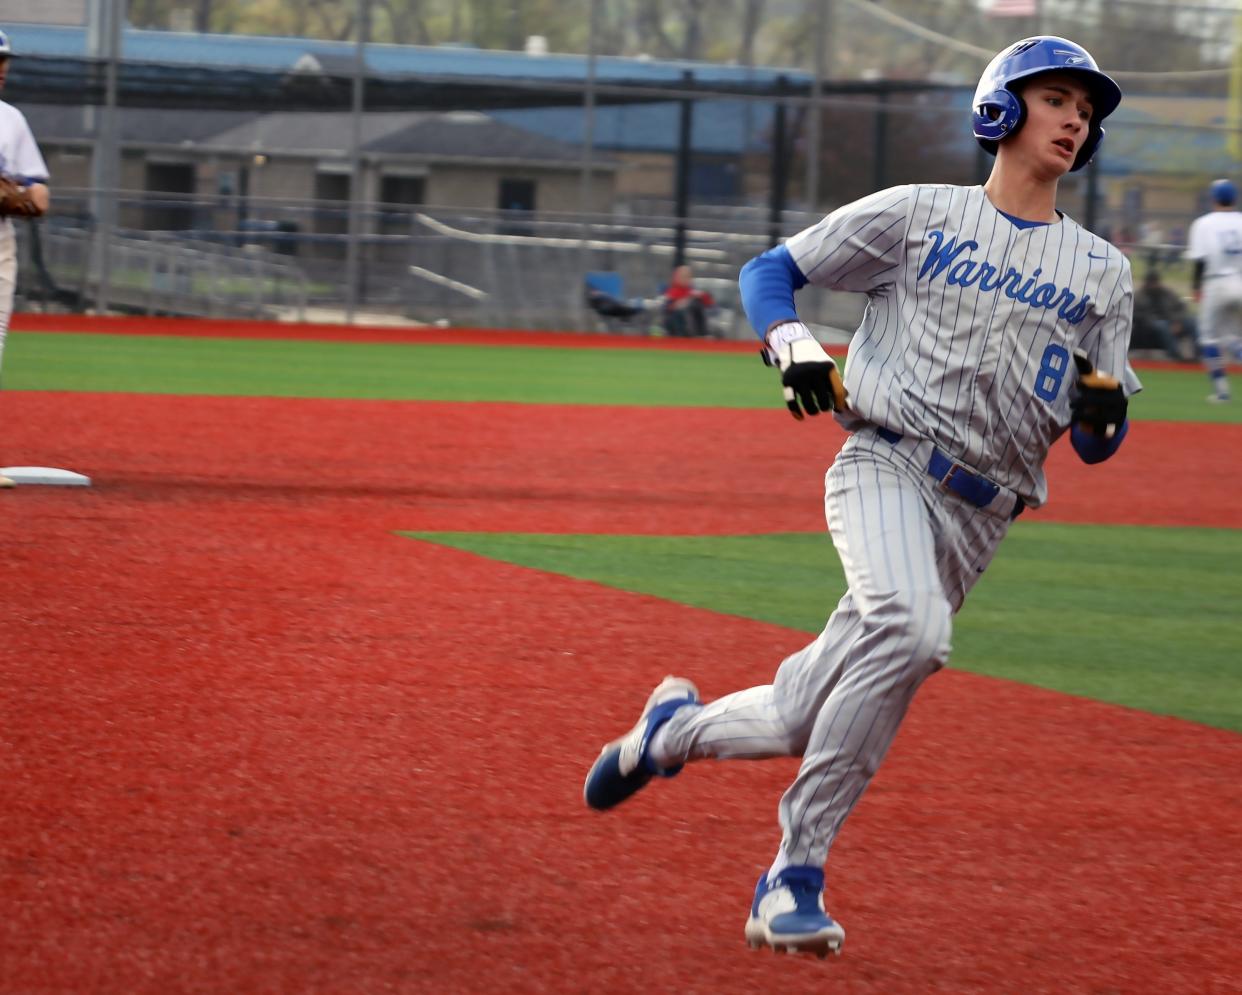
[988, 314]
[1214, 243]
[23, 193]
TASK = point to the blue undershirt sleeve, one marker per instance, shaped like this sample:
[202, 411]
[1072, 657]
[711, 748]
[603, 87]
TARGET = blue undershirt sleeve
[767, 284]
[1093, 449]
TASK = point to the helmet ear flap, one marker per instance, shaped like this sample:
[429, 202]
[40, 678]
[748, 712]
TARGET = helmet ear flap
[998, 115]
[1089, 148]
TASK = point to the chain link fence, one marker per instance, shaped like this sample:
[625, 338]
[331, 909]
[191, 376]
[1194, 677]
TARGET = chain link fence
[421, 266]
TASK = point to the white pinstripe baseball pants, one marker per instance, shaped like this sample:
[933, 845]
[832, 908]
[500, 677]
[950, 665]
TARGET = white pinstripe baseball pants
[1220, 309]
[910, 552]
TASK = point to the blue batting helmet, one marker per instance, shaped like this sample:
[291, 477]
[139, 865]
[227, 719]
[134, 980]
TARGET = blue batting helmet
[998, 110]
[1224, 193]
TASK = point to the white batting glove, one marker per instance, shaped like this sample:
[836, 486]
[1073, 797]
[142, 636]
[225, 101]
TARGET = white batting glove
[811, 379]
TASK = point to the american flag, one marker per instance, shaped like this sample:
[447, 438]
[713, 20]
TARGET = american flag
[1012, 8]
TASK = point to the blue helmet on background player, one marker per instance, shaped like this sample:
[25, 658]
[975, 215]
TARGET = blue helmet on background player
[998, 111]
[1223, 192]
[5, 48]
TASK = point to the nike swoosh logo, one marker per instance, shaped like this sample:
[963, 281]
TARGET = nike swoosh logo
[1092, 255]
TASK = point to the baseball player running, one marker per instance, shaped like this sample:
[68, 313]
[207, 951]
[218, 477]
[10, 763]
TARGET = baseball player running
[990, 315]
[1214, 245]
[23, 193]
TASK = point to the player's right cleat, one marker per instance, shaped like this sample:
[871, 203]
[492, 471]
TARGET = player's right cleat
[1218, 398]
[623, 766]
[788, 914]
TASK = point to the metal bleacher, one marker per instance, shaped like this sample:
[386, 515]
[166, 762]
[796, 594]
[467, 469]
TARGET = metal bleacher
[157, 274]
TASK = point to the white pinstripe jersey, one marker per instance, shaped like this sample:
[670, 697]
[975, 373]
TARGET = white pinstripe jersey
[1216, 238]
[19, 154]
[970, 323]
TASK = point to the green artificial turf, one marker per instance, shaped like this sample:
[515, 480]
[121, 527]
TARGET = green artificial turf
[1180, 395]
[284, 368]
[280, 368]
[1143, 617]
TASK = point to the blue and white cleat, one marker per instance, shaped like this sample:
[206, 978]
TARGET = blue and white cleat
[788, 915]
[623, 765]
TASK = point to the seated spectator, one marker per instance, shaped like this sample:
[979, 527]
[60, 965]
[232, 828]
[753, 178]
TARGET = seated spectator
[1162, 321]
[617, 313]
[685, 308]
[612, 307]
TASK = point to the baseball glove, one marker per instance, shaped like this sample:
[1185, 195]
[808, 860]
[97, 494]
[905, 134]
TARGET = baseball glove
[15, 199]
[1100, 404]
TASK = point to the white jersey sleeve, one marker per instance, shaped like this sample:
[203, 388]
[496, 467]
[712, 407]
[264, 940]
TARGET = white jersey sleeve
[19, 153]
[857, 247]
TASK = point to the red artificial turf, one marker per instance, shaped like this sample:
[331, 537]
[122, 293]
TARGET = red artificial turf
[253, 741]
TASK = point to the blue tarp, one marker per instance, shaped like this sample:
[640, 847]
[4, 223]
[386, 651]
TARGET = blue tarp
[263, 52]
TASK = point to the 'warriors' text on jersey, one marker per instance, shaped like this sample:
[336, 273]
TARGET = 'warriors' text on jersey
[971, 321]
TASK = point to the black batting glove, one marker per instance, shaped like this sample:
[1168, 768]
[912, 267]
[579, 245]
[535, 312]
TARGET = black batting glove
[809, 376]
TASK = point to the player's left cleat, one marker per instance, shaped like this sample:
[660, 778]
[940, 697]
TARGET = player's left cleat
[624, 766]
[788, 915]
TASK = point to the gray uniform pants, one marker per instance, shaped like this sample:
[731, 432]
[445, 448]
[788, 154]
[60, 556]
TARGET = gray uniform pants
[911, 551]
[8, 277]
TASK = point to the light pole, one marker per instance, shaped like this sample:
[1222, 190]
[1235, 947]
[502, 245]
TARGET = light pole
[355, 163]
[104, 47]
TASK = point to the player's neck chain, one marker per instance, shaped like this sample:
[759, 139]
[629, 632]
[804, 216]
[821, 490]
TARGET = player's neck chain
[967, 272]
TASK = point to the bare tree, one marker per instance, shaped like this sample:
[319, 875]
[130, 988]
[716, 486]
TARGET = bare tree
[139, 13]
[1122, 34]
[752, 14]
[649, 23]
[692, 43]
[202, 15]
[406, 21]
